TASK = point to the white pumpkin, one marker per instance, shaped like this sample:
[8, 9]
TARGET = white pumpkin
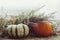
[19, 30]
[12, 20]
[8, 20]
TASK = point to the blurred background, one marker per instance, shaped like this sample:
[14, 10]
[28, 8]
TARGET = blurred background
[13, 7]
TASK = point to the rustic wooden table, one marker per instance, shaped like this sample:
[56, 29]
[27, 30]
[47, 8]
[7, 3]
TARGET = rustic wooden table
[56, 37]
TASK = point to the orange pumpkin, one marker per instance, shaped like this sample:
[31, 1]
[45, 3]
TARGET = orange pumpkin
[42, 28]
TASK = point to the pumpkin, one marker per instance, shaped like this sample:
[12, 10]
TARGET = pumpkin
[19, 30]
[12, 20]
[42, 28]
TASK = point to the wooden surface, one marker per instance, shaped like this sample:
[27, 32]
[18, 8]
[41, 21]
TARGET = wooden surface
[57, 37]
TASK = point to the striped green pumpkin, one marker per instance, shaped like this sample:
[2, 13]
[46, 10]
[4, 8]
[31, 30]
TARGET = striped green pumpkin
[19, 30]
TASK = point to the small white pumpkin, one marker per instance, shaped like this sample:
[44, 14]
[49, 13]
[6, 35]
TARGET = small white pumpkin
[19, 30]
[8, 20]
[12, 20]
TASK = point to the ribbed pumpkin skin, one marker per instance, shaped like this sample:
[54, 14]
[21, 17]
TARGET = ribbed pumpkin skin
[20, 30]
[42, 28]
